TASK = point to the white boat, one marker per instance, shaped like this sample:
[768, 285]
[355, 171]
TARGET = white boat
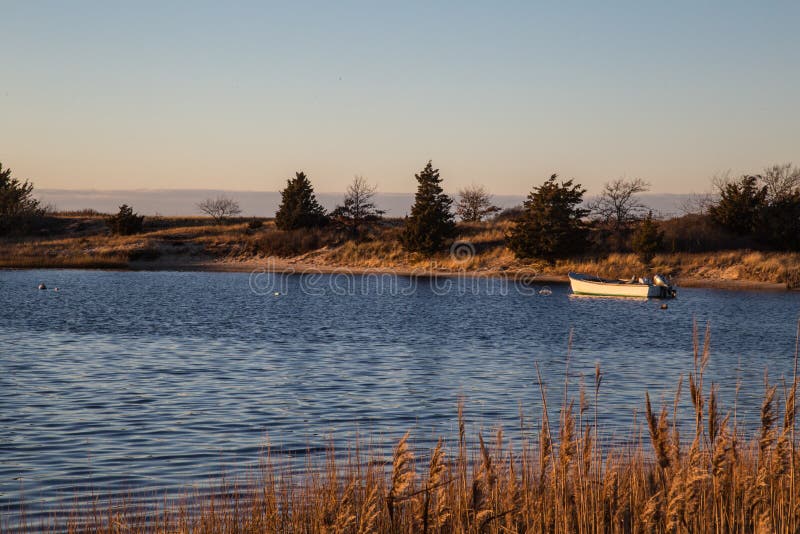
[584, 284]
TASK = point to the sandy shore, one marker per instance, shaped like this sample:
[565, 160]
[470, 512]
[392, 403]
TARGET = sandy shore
[280, 265]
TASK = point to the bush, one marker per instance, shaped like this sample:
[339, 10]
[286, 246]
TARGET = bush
[509, 214]
[647, 239]
[125, 222]
[287, 243]
[697, 232]
[255, 224]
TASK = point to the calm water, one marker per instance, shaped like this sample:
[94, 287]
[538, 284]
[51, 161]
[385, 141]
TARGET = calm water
[154, 380]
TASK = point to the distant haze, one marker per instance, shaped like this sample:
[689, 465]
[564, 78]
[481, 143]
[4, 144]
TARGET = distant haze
[265, 203]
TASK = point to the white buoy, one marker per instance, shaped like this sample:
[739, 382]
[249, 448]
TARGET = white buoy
[42, 286]
[277, 293]
[56, 289]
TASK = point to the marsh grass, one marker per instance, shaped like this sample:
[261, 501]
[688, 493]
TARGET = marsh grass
[563, 479]
[85, 243]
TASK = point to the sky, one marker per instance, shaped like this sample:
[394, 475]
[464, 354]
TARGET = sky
[240, 95]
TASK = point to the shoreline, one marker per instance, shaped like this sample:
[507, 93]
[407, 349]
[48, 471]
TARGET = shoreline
[283, 266]
[479, 251]
[289, 267]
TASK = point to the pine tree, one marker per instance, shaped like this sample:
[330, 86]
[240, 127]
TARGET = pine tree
[647, 239]
[17, 205]
[551, 224]
[299, 207]
[739, 205]
[431, 224]
[125, 222]
[778, 224]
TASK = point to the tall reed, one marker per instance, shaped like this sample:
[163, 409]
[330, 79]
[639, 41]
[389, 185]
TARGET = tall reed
[715, 480]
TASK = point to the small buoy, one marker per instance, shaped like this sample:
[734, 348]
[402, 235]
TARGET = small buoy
[545, 291]
[42, 286]
[664, 306]
[56, 289]
[277, 293]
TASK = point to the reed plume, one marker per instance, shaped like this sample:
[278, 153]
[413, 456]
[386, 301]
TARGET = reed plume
[721, 480]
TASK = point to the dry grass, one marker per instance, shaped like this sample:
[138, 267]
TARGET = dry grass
[713, 480]
[479, 248]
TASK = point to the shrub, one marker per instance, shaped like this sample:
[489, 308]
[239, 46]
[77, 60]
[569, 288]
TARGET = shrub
[647, 239]
[510, 214]
[255, 224]
[699, 233]
[125, 222]
[287, 243]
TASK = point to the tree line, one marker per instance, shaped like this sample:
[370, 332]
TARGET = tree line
[553, 222]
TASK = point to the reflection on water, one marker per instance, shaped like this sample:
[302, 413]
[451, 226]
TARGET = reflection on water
[148, 380]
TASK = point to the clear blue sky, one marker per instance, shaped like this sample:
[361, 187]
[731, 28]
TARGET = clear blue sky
[114, 95]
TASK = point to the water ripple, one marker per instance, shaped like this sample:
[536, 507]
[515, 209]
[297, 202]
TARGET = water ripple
[145, 382]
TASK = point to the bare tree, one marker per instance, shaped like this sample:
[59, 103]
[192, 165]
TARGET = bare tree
[697, 203]
[358, 206]
[781, 180]
[617, 206]
[219, 208]
[474, 203]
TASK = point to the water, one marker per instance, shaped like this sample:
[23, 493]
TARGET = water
[127, 381]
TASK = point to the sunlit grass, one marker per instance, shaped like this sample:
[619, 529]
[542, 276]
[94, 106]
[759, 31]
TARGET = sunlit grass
[478, 248]
[563, 479]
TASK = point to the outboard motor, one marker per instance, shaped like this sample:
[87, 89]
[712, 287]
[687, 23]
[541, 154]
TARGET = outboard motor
[666, 288]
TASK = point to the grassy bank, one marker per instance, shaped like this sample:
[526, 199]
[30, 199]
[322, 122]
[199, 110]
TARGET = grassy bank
[83, 242]
[562, 480]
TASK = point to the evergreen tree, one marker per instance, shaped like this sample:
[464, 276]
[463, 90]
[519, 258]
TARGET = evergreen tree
[739, 205]
[551, 225]
[647, 239]
[17, 204]
[125, 222]
[778, 224]
[299, 207]
[431, 224]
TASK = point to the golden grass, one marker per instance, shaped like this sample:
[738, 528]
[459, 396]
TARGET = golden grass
[713, 480]
[479, 248]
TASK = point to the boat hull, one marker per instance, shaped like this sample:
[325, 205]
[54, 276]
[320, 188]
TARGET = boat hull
[609, 289]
